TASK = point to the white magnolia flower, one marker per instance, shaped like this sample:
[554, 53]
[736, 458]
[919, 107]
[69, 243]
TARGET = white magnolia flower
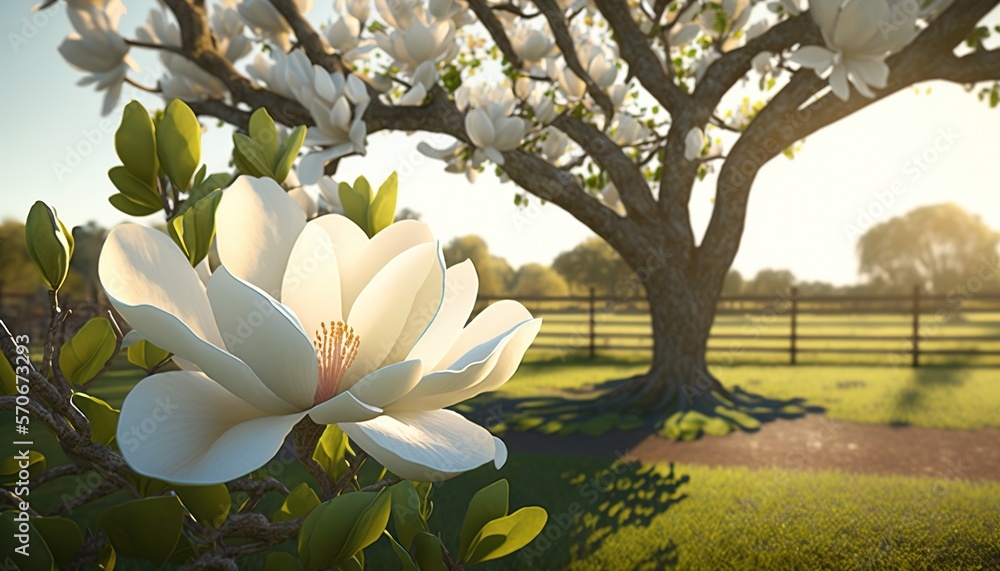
[725, 20]
[336, 103]
[358, 9]
[96, 47]
[858, 41]
[628, 131]
[267, 22]
[489, 121]
[454, 156]
[694, 143]
[555, 145]
[532, 44]
[598, 60]
[423, 39]
[307, 320]
[685, 28]
[534, 94]
[763, 62]
[329, 191]
[344, 35]
[609, 197]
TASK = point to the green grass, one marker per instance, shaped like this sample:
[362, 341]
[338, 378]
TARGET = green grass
[735, 518]
[941, 397]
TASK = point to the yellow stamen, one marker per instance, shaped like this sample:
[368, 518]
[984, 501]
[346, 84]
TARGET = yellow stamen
[336, 347]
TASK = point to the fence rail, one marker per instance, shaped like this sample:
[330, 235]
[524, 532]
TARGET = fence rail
[916, 329]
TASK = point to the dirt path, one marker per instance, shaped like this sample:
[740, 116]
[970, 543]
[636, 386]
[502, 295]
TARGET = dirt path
[813, 442]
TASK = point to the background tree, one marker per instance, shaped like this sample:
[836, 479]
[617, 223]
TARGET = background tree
[611, 109]
[538, 280]
[17, 276]
[89, 241]
[769, 282]
[592, 264]
[937, 248]
[733, 284]
[495, 274]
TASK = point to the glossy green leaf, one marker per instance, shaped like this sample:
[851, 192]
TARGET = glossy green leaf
[135, 143]
[199, 176]
[62, 536]
[280, 561]
[355, 200]
[87, 352]
[289, 152]
[11, 465]
[402, 554]
[331, 451]
[107, 559]
[356, 563]
[264, 132]
[209, 505]
[300, 501]
[406, 516]
[194, 230]
[126, 205]
[488, 504]
[49, 244]
[506, 535]
[8, 378]
[147, 528]
[27, 551]
[178, 143]
[134, 189]
[336, 530]
[102, 417]
[427, 552]
[145, 355]
[382, 210]
[250, 156]
[210, 184]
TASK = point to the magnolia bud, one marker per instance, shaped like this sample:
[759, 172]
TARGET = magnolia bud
[50, 245]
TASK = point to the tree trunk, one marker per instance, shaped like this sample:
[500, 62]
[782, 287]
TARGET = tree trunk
[678, 378]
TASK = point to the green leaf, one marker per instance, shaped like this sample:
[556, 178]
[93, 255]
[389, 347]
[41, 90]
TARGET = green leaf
[103, 418]
[506, 535]
[426, 505]
[126, 205]
[289, 152]
[10, 467]
[488, 504]
[211, 183]
[134, 189]
[250, 157]
[263, 131]
[336, 530]
[209, 505]
[194, 229]
[147, 528]
[86, 353]
[427, 552]
[406, 517]
[300, 501]
[331, 451]
[280, 561]
[178, 143]
[49, 244]
[28, 552]
[107, 558]
[382, 210]
[135, 143]
[62, 536]
[145, 355]
[199, 176]
[355, 200]
[8, 378]
[402, 554]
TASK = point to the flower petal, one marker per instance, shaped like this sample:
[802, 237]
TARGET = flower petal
[266, 336]
[388, 384]
[395, 309]
[496, 319]
[461, 289]
[257, 225]
[379, 251]
[424, 446]
[311, 287]
[181, 427]
[151, 283]
[344, 407]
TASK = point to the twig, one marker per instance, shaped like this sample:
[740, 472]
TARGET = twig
[382, 484]
[354, 464]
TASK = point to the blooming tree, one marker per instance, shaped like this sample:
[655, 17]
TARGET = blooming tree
[611, 109]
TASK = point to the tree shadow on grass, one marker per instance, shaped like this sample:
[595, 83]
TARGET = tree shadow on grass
[913, 397]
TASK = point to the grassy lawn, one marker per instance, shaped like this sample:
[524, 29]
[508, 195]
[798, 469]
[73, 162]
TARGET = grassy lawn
[940, 397]
[641, 517]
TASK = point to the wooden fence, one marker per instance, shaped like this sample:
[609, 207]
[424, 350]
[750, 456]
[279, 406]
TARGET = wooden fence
[914, 330]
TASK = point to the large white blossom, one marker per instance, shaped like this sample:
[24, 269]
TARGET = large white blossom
[859, 36]
[489, 120]
[454, 157]
[96, 47]
[307, 320]
[336, 103]
[417, 38]
[344, 36]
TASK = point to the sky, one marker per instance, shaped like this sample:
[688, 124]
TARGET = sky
[925, 146]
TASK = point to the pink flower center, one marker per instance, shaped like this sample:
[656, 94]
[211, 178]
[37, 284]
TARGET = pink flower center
[336, 347]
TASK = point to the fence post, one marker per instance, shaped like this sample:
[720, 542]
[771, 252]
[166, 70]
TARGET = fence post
[916, 326]
[592, 322]
[794, 324]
